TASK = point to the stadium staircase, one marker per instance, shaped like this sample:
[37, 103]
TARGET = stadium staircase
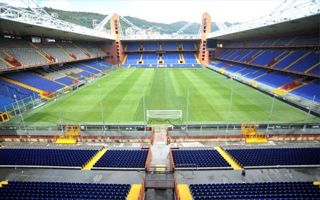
[69, 54]
[140, 61]
[251, 136]
[183, 192]
[278, 59]
[272, 65]
[160, 61]
[93, 68]
[291, 41]
[89, 165]
[11, 59]
[124, 59]
[49, 79]
[285, 89]
[2, 58]
[181, 58]
[41, 93]
[261, 75]
[82, 50]
[233, 163]
[311, 68]
[197, 59]
[297, 60]
[42, 53]
[159, 178]
[70, 135]
[3, 183]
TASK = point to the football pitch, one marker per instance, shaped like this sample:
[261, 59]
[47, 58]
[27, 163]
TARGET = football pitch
[122, 96]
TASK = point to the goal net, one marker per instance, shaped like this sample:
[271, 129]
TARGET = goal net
[164, 114]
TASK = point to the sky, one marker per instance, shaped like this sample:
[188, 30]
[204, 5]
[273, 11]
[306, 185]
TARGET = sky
[168, 11]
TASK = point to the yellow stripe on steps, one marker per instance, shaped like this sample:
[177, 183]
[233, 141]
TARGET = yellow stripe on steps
[94, 159]
[23, 85]
[2, 183]
[311, 68]
[48, 78]
[134, 193]
[184, 192]
[182, 58]
[124, 59]
[198, 61]
[316, 183]
[6, 62]
[228, 158]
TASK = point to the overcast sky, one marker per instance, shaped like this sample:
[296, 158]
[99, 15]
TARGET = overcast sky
[169, 10]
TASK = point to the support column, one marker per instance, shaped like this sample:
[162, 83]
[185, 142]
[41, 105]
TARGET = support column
[205, 29]
[115, 48]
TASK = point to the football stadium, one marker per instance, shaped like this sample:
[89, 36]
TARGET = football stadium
[109, 106]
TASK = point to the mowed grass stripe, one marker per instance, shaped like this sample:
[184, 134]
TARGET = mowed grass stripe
[126, 107]
[202, 99]
[252, 105]
[80, 105]
[161, 95]
[234, 111]
[118, 98]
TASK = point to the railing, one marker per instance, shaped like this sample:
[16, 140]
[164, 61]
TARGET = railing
[19, 106]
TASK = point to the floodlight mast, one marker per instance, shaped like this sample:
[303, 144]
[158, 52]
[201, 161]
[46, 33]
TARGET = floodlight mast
[130, 23]
[35, 7]
[184, 27]
[102, 24]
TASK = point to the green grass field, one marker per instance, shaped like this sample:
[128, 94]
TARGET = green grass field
[120, 97]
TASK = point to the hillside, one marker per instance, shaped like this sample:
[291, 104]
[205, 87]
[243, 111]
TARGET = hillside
[85, 19]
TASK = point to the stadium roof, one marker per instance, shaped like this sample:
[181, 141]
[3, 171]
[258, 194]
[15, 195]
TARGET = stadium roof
[306, 25]
[24, 29]
[36, 22]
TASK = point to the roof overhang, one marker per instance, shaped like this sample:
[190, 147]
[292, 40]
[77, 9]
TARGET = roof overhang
[302, 26]
[24, 29]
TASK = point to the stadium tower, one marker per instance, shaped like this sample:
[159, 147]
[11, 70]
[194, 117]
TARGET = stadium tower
[205, 29]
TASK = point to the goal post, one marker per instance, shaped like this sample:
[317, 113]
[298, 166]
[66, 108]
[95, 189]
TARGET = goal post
[164, 115]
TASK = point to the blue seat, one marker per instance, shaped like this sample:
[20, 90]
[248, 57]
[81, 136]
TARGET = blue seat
[276, 156]
[16, 190]
[123, 159]
[198, 158]
[45, 157]
[268, 190]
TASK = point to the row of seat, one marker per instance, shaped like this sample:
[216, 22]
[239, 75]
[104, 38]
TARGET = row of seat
[123, 159]
[72, 158]
[16, 190]
[198, 158]
[275, 79]
[301, 61]
[153, 46]
[276, 156]
[291, 41]
[45, 157]
[48, 79]
[167, 58]
[30, 54]
[268, 190]
[247, 157]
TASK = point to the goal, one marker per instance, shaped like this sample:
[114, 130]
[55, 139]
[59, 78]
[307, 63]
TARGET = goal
[164, 114]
